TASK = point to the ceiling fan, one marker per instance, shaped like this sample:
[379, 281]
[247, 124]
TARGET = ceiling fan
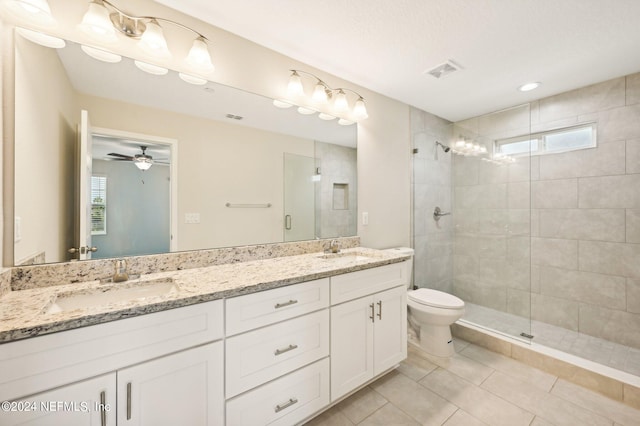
[142, 161]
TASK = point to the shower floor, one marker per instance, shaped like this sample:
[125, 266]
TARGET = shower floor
[614, 355]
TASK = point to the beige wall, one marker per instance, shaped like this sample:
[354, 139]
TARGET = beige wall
[582, 234]
[44, 191]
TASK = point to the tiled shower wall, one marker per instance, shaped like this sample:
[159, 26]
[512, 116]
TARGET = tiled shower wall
[575, 215]
[433, 241]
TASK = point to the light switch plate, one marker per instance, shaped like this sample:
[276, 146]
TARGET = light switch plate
[192, 218]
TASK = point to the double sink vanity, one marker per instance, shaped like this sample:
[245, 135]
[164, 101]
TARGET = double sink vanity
[268, 341]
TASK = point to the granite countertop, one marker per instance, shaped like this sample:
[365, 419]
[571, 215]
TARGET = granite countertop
[32, 312]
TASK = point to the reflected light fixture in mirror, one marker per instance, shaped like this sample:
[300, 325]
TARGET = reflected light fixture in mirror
[322, 95]
[41, 38]
[101, 55]
[143, 161]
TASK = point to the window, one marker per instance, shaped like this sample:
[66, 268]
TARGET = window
[98, 205]
[551, 142]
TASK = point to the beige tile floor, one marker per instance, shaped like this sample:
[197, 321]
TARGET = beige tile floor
[475, 387]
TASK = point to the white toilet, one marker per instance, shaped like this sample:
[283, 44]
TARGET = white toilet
[433, 312]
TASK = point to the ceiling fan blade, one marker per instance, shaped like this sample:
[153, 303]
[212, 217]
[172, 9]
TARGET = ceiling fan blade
[121, 156]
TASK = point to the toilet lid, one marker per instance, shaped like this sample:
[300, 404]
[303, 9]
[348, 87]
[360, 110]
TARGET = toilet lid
[438, 299]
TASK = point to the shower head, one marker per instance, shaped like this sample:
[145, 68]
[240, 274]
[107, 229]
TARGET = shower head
[444, 147]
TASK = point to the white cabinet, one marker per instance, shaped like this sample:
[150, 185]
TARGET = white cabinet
[368, 337]
[90, 402]
[183, 388]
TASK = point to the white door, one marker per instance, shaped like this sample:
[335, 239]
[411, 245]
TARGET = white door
[181, 389]
[85, 162]
[351, 345]
[86, 403]
[390, 329]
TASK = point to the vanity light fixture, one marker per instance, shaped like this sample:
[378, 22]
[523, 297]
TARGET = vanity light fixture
[324, 94]
[41, 38]
[101, 55]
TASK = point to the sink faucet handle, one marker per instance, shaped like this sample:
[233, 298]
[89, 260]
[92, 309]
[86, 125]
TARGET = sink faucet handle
[334, 246]
[121, 271]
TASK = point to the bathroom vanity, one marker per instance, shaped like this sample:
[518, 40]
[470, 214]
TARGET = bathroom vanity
[270, 341]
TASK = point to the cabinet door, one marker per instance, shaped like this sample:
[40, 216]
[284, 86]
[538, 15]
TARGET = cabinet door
[390, 329]
[351, 345]
[90, 402]
[185, 388]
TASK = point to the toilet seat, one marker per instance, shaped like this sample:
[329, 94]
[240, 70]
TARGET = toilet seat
[435, 298]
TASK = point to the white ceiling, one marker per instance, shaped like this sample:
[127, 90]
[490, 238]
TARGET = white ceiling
[386, 45]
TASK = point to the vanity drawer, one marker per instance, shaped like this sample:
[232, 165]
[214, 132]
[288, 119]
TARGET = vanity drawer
[33, 365]
[255, 310]
[368, 281]
[258, 356]
[285, 401]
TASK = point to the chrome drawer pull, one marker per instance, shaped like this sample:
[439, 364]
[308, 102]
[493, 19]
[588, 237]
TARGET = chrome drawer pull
[103, 411]
[287, 349]
[287, 404]
[282, 305]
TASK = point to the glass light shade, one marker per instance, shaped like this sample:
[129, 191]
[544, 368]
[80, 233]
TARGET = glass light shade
[36, 11]
[344, 122]
[41, 38]
[150, 68]
[97, 24]
[295, 85]
[359, 110]
[101, 55]
[143, 162]
[340, 104]
[153, 41]
[282, 104]
[199, 58]
[319, 93]
[326, 117]
[192, 79]
[306, 111]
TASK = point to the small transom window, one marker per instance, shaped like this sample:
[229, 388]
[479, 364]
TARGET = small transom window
[550, 142]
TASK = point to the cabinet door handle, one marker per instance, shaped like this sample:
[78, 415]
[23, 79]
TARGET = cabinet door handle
[380, 309]
[129, 401]
[103, 406]
[283, 304]
[372, 317]
[287, 404]
[287, 349]
[287, 222]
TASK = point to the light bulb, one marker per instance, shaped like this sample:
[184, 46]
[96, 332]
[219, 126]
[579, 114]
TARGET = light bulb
[320, 93]
[295, 85]
[359, 110]
[41, 38]
[101, 55]
[97, 24]
[153, 41]
[199, 58]
[340, 104]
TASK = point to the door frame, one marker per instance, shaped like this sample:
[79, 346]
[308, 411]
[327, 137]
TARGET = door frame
[173, 171]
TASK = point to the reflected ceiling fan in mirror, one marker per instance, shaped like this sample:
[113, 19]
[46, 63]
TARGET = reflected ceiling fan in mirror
[142, 161]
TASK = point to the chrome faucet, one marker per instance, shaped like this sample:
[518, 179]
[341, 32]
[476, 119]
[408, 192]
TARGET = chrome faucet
[120, 274]
[334, 246]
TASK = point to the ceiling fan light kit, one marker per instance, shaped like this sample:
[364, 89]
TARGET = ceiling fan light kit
[142, 161]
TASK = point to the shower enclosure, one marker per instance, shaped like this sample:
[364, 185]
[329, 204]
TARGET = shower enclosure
[542, 243]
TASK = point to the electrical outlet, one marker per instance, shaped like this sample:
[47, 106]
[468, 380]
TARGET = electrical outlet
[365, 218]
[192, 218]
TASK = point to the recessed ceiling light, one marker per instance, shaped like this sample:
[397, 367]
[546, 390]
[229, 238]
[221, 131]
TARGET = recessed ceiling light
[529, 86]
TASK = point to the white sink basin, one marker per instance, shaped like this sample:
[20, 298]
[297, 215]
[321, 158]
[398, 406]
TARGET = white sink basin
[125, 292]
[347, 255]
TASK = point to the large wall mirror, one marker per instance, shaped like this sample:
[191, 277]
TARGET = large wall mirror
[229, 168]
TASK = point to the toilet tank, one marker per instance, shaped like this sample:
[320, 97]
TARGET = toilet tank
[407, 251]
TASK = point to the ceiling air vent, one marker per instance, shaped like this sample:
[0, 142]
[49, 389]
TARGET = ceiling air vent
[443, 70]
